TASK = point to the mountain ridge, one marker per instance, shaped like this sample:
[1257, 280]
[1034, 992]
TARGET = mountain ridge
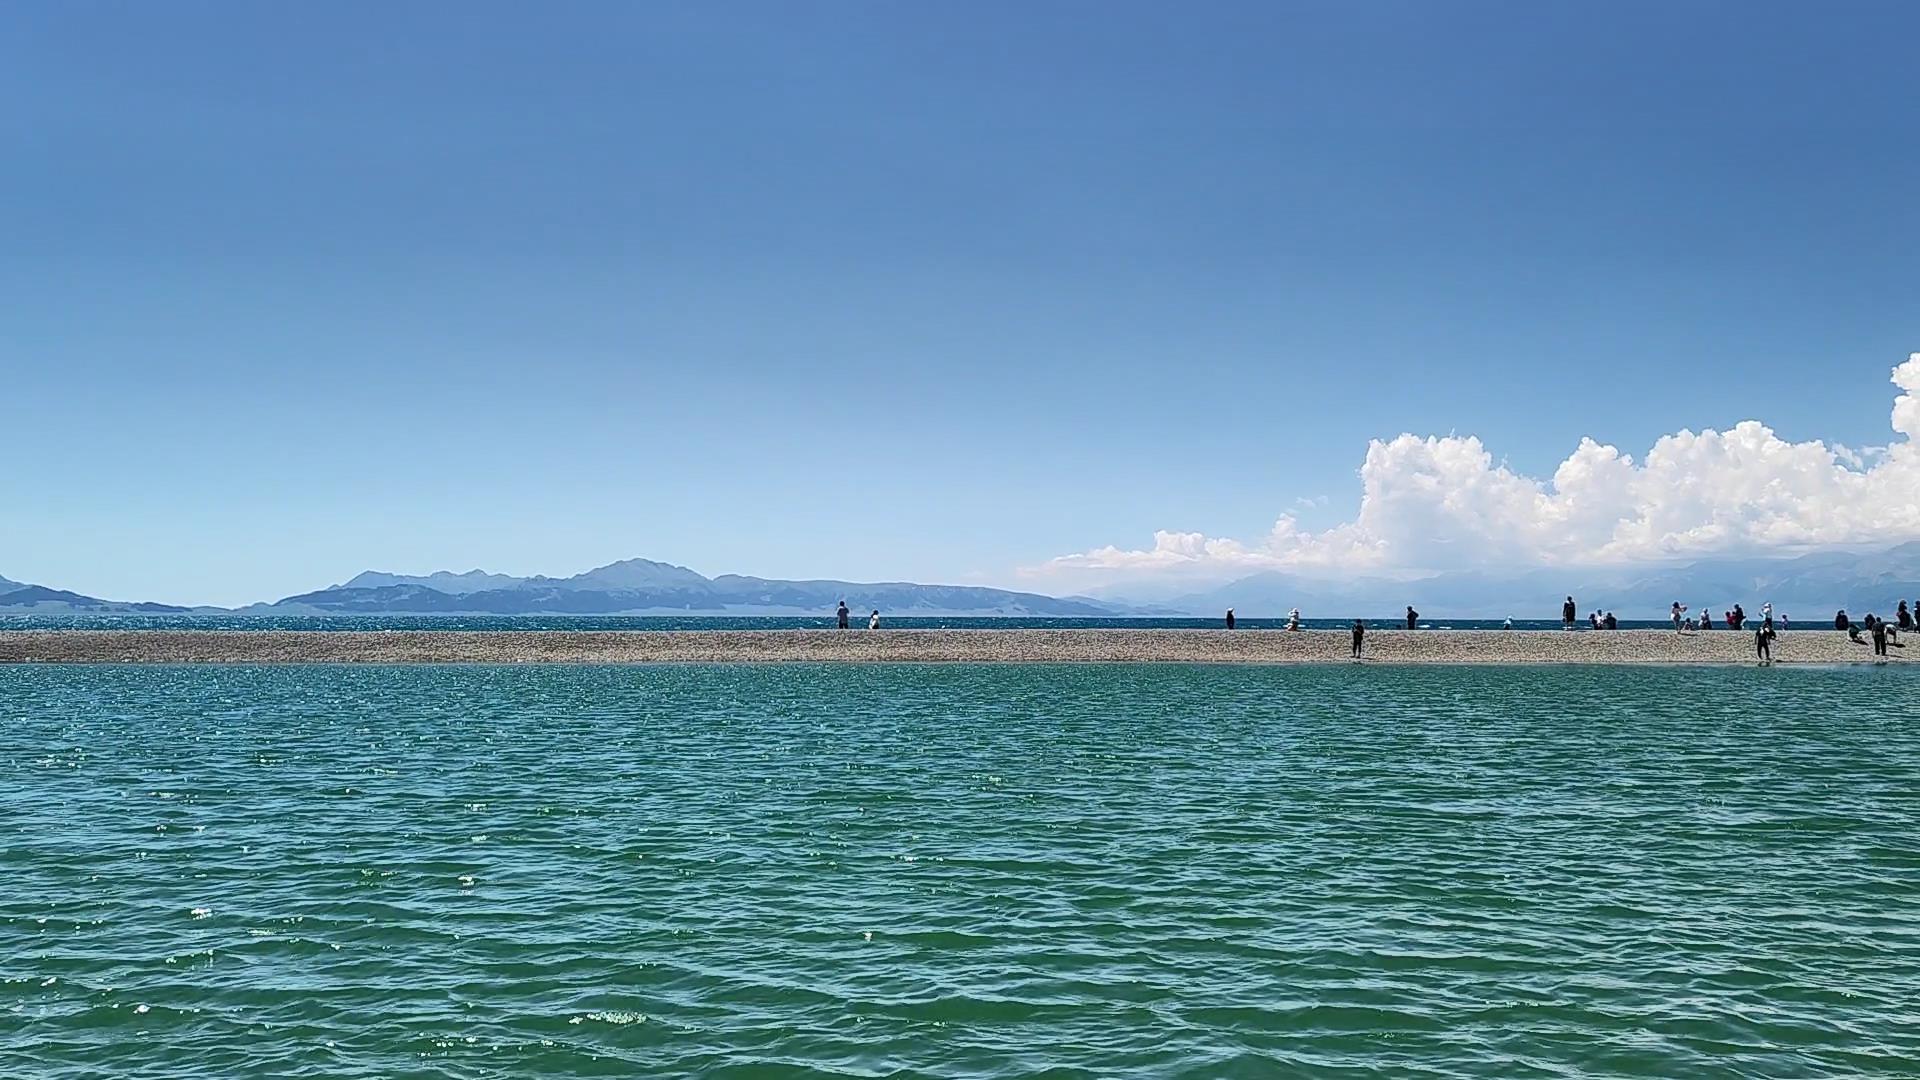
[1809, 586]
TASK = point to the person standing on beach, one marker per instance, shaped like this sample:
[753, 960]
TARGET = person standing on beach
[1413, 617]
[1737, 618]
[1610, 622]
[1766, 614]
[1840, 620]
[1568, 612]
[1677, 609]
[1879, 636]
[1359, 634]
[1706, 617]
[1229, 618]
[843, 613]
[1763, 643]
[1903, 617]
[873, 621]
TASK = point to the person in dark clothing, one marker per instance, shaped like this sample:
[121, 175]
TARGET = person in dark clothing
[1568, 612]
[1840, 621]
[1229, 618]
[1412, 617]
[1879, 637]
[1763, 644]
[1610, 622]
[843, 613]
[1903, 617]
[1706, 619]
[1359, 633]
[1737, 618]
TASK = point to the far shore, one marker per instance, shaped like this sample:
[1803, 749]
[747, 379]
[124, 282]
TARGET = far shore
[928, 646]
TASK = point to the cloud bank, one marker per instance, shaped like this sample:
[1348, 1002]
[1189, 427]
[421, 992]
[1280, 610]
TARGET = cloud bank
[1438, 503]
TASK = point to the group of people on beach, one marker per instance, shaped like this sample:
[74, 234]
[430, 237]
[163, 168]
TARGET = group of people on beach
[1734, 618]
[873, 620]
[1878, 630]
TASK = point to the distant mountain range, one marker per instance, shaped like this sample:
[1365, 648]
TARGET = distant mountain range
[644, 587]
[16, 598]
[1809, 588]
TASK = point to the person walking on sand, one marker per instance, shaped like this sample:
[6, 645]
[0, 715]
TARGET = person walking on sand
[843, 613]
[873, 620]
[1763, 643]
[1359, 635]
[1413, 617]
[1229, 618]
[1568, 612]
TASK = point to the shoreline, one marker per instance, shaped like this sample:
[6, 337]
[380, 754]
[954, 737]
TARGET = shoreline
[1707, 647]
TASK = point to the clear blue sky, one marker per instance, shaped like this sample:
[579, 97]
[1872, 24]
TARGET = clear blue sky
[898, 290]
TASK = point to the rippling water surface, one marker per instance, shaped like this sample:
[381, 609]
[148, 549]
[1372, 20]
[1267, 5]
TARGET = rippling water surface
[958, 871]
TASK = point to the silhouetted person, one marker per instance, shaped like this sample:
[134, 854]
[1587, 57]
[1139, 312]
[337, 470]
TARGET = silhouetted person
[1840, 620]
[843, 613]
[1766, 614]
[873, 621]
[1412, 617]
[1903, 617]
[1737, 618]
[1706, 619]
[1879, 637]
[1763, 644]
[1229, 618]
[1611, 622]
[1568, 612]
[1359, 634]
[1677, 617]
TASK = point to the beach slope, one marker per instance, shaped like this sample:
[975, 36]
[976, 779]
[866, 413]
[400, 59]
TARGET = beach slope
[924, 646]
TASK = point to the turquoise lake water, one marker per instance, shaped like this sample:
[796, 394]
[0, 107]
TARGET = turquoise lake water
[991, 871]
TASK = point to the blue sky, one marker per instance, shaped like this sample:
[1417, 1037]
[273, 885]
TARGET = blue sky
[900, 291]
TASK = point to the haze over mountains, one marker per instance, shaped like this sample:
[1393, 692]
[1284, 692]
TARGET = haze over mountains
[1809, 588]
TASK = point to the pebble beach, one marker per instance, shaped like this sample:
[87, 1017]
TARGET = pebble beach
[925, 646]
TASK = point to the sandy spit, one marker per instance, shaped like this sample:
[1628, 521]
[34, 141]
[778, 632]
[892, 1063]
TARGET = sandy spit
[924, 646]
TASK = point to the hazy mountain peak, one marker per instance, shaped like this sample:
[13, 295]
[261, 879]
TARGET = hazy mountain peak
[445, 581]
[633, 574]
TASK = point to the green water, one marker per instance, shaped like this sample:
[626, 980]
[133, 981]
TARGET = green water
[1149, 871]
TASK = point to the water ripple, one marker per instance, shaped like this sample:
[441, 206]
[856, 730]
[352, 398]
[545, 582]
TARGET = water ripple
[1151, 871]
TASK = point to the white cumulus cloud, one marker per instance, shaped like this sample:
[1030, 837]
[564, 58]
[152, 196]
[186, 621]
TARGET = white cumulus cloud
[1431, 503]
